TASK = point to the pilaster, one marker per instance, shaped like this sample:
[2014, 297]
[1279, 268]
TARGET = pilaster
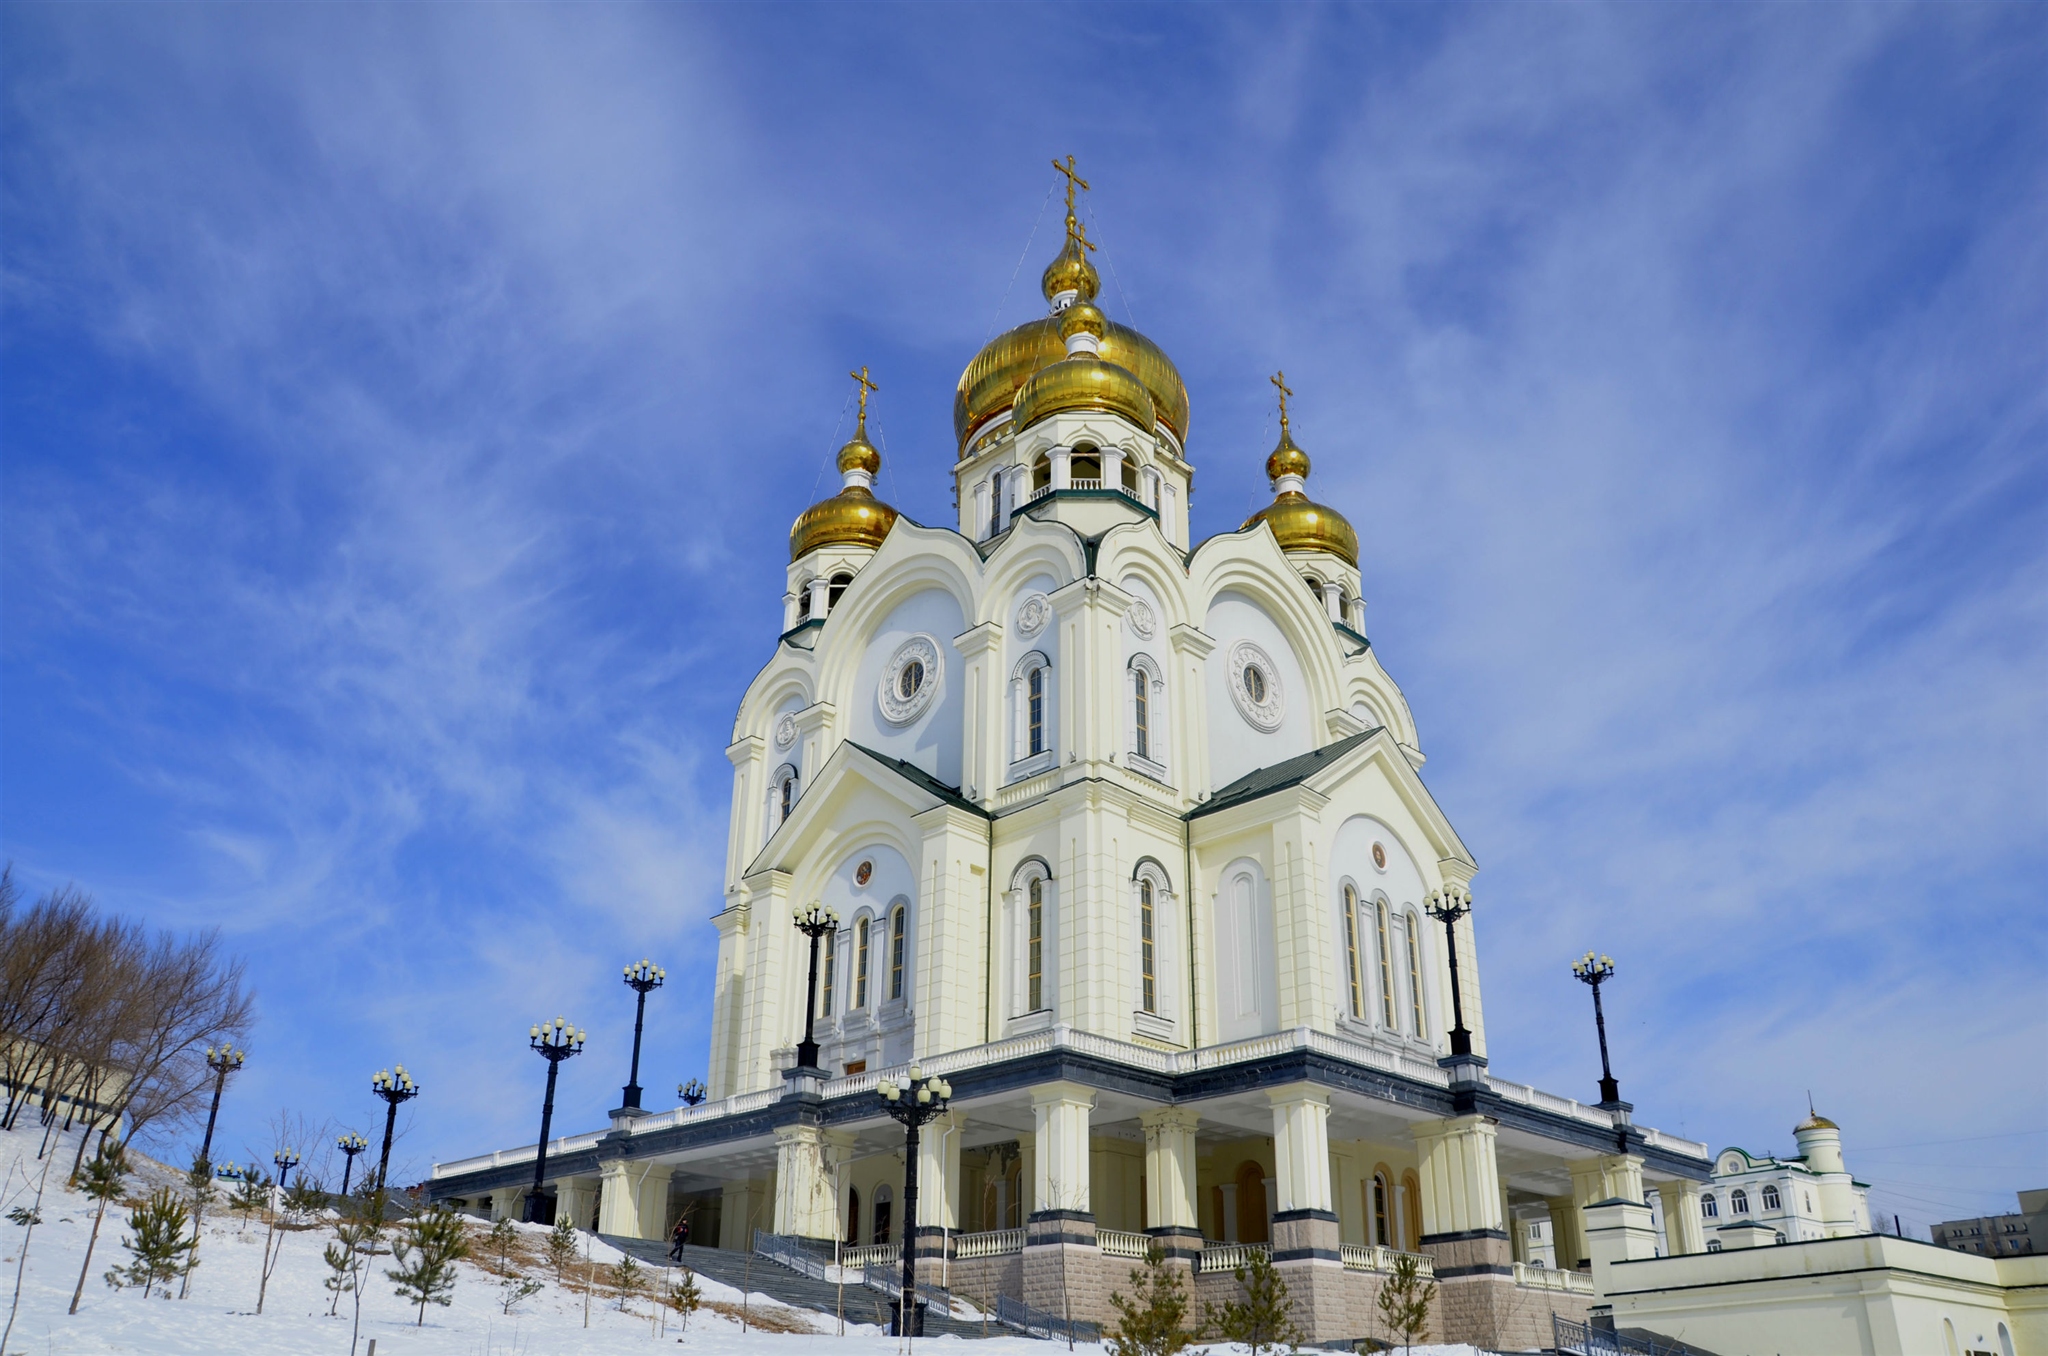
[1170, 1172]
[576, 1201]
[1463, 1228]
[634, 1201]
[1684, 1233]
[952, 924]
[806, 1204]
[984, 758]
[1567, 1232]
[1060, 1164]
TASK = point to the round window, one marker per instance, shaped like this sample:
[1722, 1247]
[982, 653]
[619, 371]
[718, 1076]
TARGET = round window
[863, 873]
[910, 680]
[1254, 684]
[1379, 855]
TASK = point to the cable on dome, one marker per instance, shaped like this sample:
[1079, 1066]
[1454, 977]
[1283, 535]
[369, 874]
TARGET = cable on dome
[837, 424]
[1110, 259]
[1022, 254]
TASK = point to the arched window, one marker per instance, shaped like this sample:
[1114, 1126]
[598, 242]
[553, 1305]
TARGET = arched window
[1041, 475]
[1141, 714]
[882, 1212]
[1738, 1201]
[860, 963]
[1084, 470]
[1354, 972]
[831, 974]
[897, 917]
[1130, 478]
[1386, 949]
[1034, 944]
[1382, 1210]
[1414, 974]
[995, 505]
[786, 788]
[838, 586]
[1031, 684]
[803, 600]
[1148, 973]
[1770, 1197]
[1709, 1207]
[1147, 743]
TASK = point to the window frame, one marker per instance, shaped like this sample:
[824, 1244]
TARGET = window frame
[899, 947]
[1034, 942]
[1353, 962]
[1386, 958]
[1417, 1012]
[1146, 714]
[862, 943]
[1148, 960]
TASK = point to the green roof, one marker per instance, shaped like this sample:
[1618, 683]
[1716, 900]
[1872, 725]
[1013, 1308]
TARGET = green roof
[1266, 780]
[924, 781]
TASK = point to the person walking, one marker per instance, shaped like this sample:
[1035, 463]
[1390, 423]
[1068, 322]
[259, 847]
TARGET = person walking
[679, 1240]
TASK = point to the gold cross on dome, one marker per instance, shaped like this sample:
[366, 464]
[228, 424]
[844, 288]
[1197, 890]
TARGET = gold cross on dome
[1075, 231]
[866, 385]
[1279, 379]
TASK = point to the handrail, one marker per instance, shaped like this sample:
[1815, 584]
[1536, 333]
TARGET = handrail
[1122, 1243]
[1228, 1256]
[1550, 1278]
[992, 1243]
[1378, 1257]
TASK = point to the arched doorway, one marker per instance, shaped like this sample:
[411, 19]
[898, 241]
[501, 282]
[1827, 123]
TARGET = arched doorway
[1252, 1224]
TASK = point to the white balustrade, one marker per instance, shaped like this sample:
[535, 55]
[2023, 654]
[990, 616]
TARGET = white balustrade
[994, 1243]
[867, 1254]
[1373, 1257]
[1228, 1256]
[1122, 1243]
[1549, 1278]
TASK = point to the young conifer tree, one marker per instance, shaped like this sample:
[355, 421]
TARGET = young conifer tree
[1258, 1320]
[101, 1180]
[1153, 1322]
[562, 1246]
[161, 1250]
[427, 1248]
[684, 1297]
[1405, 1298]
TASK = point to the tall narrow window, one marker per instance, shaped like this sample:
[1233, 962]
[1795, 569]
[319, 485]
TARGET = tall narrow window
[995, 505]
[860, 963]
[896, 918]
[831, 973]
[852, 1216]
[1035, 709]
[1382, 1211]
[1352, 968]
[837, 587]
[1141, 714]
[1414, 976]
[1035, 945]
[1771, 1201]
[1386, 970]
[1738, 1201]
[1145, 948]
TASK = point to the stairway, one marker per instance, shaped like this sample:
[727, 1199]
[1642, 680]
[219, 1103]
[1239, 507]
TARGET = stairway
[779, 1283]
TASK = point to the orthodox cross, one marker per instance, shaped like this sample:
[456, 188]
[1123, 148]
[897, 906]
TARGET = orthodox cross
[1279, 379]
[866, 385]
[1075, 232]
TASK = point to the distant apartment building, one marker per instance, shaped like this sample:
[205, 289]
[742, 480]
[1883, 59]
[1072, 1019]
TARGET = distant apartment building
[2000, 1235]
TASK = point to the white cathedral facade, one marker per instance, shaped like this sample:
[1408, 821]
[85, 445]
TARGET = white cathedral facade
[1126, 838]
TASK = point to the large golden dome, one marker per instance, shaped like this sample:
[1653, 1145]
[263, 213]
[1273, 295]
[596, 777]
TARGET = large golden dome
[852, 517]
[1299, 523]
[993, 380]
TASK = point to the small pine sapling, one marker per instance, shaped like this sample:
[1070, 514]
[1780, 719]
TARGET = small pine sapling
[628, 1278]
[1259, 1321]
[562, 1246]
[1405, 1298]
[501, 1236]
[513, 1289]
[427, 1248]
[683, 1297]
[252, 1195]
[1153, 1322]
[102, 1180]
[158, 1245]
[199, 1181]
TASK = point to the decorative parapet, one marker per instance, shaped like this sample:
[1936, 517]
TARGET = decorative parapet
[1373, 1257]
[1550, 1278]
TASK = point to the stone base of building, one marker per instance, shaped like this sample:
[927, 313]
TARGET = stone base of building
[1478, 1300]
[1063, 1269]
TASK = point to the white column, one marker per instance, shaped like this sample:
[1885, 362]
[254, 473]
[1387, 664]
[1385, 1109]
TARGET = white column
[1684, 1233]
[1170, 1168]
[1112, 468]
[1333, 601]
[635, 1199]
[938, 1171]
[1061, 467]
[1301, 1148]
[788, 610]
[978, 529]
[805, 1202]
[1060, 1170]
[1460, 1175]
[821, 589]
[574, 1199]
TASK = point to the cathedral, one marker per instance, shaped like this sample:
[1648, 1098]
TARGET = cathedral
[1122, 836]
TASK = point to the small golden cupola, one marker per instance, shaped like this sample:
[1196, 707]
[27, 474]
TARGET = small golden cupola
[1083, 380]
[1298, 523]
[853, 517]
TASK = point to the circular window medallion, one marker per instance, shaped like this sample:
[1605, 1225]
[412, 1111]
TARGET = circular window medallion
[785, 732]
[1255, 686]
[910, 680]
[1033, 612]
[863, 873]
[1141, 619]
[1379, 855]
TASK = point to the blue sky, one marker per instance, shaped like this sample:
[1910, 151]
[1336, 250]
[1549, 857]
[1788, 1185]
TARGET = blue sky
[404, 410]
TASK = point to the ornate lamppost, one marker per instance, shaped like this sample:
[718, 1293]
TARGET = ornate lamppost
[395, 1089]
[691, 1092]
[1593, 971]
[553, 1042]
[1447, 906]
[912, 1104]
[223, 1060]
[642, 979]
[284, 1160]
[815, 921]
[350, 1145]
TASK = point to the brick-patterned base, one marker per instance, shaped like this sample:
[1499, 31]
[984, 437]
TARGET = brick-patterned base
[980, 1280]
[1063, 1269]
[1479, 1300]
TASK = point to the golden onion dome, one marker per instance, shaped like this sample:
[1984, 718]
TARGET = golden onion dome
[1084, 382]
[1815, 1121]
[993, 381]
[859, 454]
[853, 517]
[1070, 270]
[1299, 523]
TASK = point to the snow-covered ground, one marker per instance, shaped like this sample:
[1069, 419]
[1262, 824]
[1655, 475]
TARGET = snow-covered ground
[218, 1318]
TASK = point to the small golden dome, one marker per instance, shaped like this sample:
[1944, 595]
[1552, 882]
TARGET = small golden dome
[1070, 271]
[1084, 382]
[1815, 1121]
[859, 454]
[1286, 459]
[1301, 525]
[1083, 317]
[853, 517]
[992, 382]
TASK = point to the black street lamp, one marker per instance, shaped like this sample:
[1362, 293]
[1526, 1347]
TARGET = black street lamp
[1447, 906]
[642, 979]
[912, 1104]
[284, 1160]
[1594, 971]
[553, 1042]
[394, 1089]
[350, 1145]
[691, 1092]
[223, 1060]
[814, 922]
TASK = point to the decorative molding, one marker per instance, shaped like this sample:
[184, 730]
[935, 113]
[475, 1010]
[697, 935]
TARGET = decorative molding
[785, 731]
[1034, 610]
[1142, 620]
[906, 693]
[1262, 709]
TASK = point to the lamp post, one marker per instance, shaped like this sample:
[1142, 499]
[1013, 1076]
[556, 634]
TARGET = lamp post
[691, 1092]
[1447, 906]
[814, 922]
[284, 1160]
[912, 1104]
[553, 1042]
[223, 1060]
[350, 1145]
[394, 1088]
[1593, 971]
[642, 979]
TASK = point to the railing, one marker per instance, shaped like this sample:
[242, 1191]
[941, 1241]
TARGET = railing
[888, 1279]
[1583, 1339]
[994, 1243]
[1228, 1256]
[1118, 1243]
[1373, 1257]
[794, 1254]
[869, 1253]
[1550, 1278]
[1015, 1313]
[1084, 482]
